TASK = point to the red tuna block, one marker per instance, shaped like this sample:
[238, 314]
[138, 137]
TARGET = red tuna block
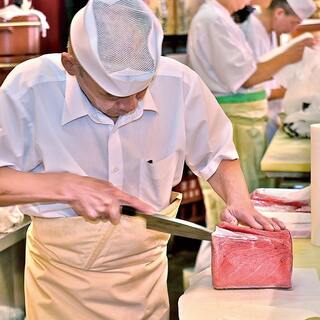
[278, 203]
[243, 257]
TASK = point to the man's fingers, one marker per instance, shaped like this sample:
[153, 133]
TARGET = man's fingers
[268, 224]
[136, 203]
[228, 217]
[279, 223]
[114, 213]
[253, 223]
[252, 219]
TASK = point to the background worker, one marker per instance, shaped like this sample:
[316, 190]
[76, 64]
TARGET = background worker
[262, 31]
[218, 51]
[220, 54]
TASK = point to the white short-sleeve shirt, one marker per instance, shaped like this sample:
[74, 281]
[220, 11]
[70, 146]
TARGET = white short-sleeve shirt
[47, 124]
[261, 42]
[218, 51]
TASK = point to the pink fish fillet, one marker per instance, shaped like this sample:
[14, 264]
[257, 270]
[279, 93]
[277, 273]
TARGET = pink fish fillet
[251, 258]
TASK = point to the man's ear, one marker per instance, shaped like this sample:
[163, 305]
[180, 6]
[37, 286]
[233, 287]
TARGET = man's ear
[279, 12]
[69, 63]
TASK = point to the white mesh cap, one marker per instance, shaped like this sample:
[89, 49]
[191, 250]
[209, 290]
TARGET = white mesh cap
[118, 42]
[302, 8]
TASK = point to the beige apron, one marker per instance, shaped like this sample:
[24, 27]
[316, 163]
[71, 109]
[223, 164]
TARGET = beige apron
[79, 269]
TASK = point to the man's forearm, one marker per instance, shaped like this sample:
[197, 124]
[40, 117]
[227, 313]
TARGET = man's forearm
[277, 93]
[266, 70]
[20, 187]
[228, 181]
[89, 197]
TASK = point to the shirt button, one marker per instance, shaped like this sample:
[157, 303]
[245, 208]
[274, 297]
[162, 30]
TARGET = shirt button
[115, 170]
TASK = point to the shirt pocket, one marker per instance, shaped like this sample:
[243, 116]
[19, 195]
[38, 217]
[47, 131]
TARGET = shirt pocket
[156, 180]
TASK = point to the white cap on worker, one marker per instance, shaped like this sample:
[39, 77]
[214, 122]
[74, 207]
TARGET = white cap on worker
[118, 42]
[302, 8]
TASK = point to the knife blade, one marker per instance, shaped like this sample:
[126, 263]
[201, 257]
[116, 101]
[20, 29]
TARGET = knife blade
[170, 225]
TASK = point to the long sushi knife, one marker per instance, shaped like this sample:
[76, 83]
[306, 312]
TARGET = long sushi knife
[171, 225]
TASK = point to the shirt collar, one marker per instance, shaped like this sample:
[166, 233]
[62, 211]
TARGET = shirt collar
[76, 103]
[148, 102]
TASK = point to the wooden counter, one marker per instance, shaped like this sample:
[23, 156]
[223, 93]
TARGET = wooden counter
[306, 255]
[287, 157]
[308, 25]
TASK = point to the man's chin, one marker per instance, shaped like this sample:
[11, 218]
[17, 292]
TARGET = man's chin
[118, 113]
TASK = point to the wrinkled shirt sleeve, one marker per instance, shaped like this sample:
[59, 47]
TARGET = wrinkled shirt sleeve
[17, 145]
[220, 54]
[209, 134]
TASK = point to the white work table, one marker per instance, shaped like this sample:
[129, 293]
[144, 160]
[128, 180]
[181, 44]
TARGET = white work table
[201, 301]
[287, 157]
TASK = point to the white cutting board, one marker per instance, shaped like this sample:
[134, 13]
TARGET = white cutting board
[201, 301]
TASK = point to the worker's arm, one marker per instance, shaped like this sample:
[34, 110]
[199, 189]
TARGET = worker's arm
[277, 93]
[266, 70]
[228, 181]
[89, 197]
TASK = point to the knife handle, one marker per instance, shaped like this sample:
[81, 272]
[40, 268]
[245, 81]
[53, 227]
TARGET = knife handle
[129, 211]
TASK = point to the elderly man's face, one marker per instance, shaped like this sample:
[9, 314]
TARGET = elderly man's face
[108, 104]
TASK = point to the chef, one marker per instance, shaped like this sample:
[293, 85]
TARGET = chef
[262, 31]
[109, 122]
[220, 54]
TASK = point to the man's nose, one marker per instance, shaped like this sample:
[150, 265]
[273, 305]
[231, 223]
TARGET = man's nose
[128, 103]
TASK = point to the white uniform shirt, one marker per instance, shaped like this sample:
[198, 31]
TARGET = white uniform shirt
[218, 51]
[48, 125]
[260, 41]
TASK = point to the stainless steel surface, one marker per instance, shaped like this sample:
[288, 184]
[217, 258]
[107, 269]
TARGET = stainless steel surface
[12, 261]
[19, 233]
[170, 225]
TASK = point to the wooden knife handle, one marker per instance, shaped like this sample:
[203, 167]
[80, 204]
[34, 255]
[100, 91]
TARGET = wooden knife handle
[129, 211]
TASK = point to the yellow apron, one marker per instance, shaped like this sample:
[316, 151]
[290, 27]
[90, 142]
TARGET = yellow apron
[213, 204]
[79, 269]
